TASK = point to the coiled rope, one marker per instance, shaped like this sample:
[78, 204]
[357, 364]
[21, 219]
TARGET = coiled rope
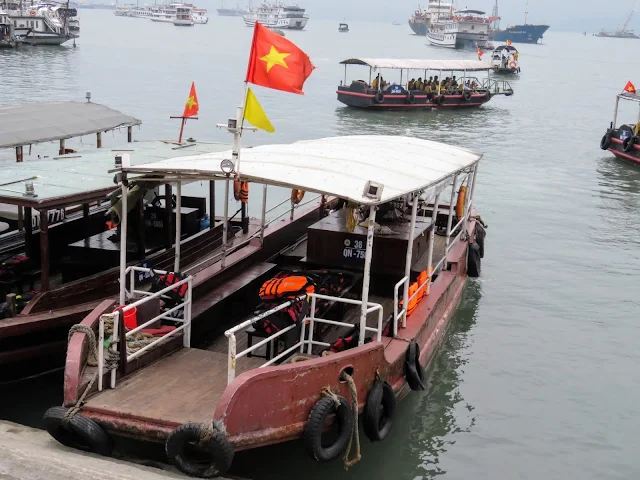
[134, 343]
[355, 436]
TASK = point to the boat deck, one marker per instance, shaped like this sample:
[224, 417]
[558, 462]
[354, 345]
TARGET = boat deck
[180, 388]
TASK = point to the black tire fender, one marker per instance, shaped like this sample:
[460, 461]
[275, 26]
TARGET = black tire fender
[467, 96]
[487, 96]
[480, 236]
[410, 98]
[379, 411]
[473, 260]
[79, 432]
[605, 143]
[218, 449]
[312, 435]
[440, 99]
[413, 370]
[379, 98]
[627, 144]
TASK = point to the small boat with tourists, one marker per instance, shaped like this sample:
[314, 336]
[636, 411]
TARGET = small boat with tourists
[624, 140]
[463, 90]
[343, 27]
[339, 324]
[504, 60]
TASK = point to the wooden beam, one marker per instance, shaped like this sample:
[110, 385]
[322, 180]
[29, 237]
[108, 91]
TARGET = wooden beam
[129, 134]
[19, 157]
[99, 139]
[44, 250]
[212, 203]
[28, 231]
[61, 150]
[11, 303]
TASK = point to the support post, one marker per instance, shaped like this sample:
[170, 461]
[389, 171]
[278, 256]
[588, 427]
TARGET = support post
[473, 187]
[323, 204]
[123, 241]
[451, 210]
[176, 264]
[212, 203]
[12, 304]
[184, 120]
[432, 238]
[20, 218]
[85, 219]
[99, 139]
[129, 134]
[244, 218]
[140, 231]
[168, 214]
[28, 231]
[465, 211]
[264, 213]
[407, 264]
[19, 156]
[61, 150]
[367, 274]
[44, 250]
[615, 113]
[225, 225]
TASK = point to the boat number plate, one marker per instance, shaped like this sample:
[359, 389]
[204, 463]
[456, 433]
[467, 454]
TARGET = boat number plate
[144, 275]
[54, 216]
[396, 89]
[354, 249]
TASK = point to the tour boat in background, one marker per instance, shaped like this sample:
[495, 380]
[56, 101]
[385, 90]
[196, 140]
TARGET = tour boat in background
[623, 140]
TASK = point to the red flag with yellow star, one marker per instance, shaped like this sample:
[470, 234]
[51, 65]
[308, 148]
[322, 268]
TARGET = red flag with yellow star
[191, 107]
[630, 87]
[276, 62]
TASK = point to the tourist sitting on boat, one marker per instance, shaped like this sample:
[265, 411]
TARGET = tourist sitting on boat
[376, 82]
[435, 85]
[454, 82]
[412, 84]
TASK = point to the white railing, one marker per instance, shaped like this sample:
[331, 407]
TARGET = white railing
[302, 342]
[184, 319]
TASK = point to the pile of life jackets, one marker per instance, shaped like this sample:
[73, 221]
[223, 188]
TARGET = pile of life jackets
[423, 278]
[289, 285]
[176, 295]
[346, 342]
[13, 266]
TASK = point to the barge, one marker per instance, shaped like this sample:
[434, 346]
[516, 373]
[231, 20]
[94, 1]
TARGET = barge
[404, 95]
[340, 326]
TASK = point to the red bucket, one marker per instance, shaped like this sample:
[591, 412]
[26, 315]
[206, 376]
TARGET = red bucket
[130, 317]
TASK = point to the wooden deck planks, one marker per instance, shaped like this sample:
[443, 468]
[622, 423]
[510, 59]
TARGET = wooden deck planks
[183, 387]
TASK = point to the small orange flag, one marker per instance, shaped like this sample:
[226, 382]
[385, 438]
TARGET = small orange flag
[480, 53]
[275, 62]
[191, 107]
[630, 87]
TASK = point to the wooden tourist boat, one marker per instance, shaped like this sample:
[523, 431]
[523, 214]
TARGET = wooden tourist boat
[70, 268]
[345, 319]
[380, 95]
[623, 140]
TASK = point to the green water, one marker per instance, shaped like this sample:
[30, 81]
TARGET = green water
[539, 375]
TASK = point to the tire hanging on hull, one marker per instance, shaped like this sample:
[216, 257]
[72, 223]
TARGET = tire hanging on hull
[78, 432]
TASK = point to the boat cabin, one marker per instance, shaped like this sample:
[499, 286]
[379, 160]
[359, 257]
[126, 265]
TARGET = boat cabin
[378, 271]
[453, 84]
[623, 139]
[343, 27]
[505, 59]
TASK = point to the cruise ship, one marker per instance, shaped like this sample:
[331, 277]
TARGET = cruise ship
[277, 15]
[473, 29]
[421, 19]
[43, 23]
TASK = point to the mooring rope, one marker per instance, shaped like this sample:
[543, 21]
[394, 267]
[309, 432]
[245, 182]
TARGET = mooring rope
[355, 436]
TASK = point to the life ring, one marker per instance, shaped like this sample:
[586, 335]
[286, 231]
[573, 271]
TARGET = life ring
[379, 97]
[32, 13]
[314, 428]
[296, 196]
[378, 411]
[605, 143]
[411, 98]
[627, 144]
[78, 432]
[413, 370]
[216, 446]
[241, 191]
[466, 95]
[512, 64]
[473, 260]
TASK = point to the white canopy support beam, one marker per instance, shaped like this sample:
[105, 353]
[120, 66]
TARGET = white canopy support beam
[407, 265]
[225, 225]
[123, 238]
[176, 263]
[451, 210]
[432, 238]
[263, 221]
[367, 274]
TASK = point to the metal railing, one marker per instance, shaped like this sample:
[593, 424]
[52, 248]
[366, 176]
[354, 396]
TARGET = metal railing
[184, 319]
[497, 86]
[302, 342]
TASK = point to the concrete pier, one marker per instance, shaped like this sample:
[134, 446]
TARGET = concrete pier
[30, 454]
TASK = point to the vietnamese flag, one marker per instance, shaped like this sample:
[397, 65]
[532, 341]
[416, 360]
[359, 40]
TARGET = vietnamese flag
[191, 107]
[276, 62]
[630, 87]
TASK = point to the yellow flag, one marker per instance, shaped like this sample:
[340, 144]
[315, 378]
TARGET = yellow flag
[254, 114]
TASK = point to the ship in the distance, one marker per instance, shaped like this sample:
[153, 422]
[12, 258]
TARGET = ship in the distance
[421, 19]
[525, 33]
[623, 32]
[231, 12]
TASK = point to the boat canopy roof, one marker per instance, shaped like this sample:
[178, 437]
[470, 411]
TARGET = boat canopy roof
[336, 166]
[419, 64]
[43, 122]
[629, 96]
[508, 48]
[83, 176]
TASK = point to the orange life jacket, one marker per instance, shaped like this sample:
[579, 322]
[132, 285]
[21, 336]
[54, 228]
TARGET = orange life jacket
[241, 191]
[413, 288]
[285, 287]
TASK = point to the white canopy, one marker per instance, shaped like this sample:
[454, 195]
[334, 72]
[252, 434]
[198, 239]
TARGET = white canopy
[419, 64]
[338, 166]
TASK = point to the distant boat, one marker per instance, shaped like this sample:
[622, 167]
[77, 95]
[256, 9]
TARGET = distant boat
[526, 33]
[343, 27]
[396, 23]
[623, 32]
[231, 12]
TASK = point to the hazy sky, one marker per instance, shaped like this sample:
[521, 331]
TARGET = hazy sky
[591, 15]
